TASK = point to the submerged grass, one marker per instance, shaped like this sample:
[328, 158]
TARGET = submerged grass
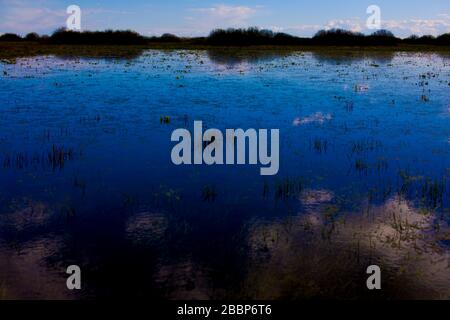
[287, 188]
[55, 158]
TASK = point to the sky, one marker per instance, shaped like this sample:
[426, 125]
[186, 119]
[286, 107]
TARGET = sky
[199, 17]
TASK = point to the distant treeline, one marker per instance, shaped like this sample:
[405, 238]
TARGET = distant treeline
[255, 36]
[231, 37]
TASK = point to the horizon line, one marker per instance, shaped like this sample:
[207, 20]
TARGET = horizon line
[23, 35]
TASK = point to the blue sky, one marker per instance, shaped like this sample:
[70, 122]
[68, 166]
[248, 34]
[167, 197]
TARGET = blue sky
[198, 17]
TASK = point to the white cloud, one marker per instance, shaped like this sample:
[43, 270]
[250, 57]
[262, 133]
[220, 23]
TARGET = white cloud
[307, 30]
[401, 28]
[275, 28]
[204, 20]
[22, 16]
[419, 26]
[228, 15]
[299, 30]
[18, 18]
[201, 21]
[353, 24]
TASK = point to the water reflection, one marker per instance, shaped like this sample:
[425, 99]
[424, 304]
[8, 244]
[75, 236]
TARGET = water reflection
[26, 273]
[233, 57]
[322, 254]
[348, 57]
[86, 177]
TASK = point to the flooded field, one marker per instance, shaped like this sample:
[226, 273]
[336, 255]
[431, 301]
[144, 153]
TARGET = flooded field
[86, 176]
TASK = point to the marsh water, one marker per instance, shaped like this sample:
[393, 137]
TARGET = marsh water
[86, 176]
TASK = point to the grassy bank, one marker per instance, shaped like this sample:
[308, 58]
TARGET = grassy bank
[12, 50]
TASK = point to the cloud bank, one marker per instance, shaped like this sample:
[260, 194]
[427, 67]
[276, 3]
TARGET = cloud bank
[23, 16]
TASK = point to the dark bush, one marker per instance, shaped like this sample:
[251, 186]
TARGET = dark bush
[338, 37]
[97, 37]
[32, 36]
[241, 37]
[443, 39]
[382, 37]
[10, 37]
[166, 38]
[252, 36]
[287, 39]
[428, 40]
[383, 33]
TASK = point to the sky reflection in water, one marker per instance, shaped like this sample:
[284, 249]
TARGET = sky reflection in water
[86, 176]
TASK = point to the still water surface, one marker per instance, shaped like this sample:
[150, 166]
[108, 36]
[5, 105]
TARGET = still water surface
[86, 176]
